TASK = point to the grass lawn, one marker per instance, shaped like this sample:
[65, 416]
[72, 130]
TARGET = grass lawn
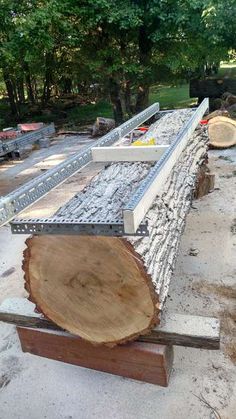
[227, 70]
[171, 96]
[168, 96]
[88, 113]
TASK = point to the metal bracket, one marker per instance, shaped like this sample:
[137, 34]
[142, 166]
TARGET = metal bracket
[23, 140]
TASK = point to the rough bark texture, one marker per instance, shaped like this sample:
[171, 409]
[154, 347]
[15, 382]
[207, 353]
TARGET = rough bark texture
[155, 255]
[102, 126]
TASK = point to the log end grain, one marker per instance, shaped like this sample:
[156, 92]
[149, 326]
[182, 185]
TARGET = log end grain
[94, 287]
[222, 132]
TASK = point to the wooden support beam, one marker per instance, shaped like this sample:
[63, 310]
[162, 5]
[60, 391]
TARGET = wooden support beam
[128, 153]
[146, 362]
[175, 329]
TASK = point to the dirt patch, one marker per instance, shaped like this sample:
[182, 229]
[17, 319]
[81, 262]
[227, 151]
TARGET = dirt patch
[217, 290]
[226, 296]
[229, 175]
[231, 351]
[11, 368]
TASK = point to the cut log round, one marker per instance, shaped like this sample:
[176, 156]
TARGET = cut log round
[95, 287]
[107, 289]
[102, 126]
[222, 132]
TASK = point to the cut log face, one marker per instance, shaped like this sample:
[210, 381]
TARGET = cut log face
[222, 132]
[94, 287]
[107, 289]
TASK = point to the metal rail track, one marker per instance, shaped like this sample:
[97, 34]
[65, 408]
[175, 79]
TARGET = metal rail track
[25, 139]
[139, 203]
[32, 191]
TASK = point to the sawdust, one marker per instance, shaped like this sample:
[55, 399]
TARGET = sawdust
[227, 298]
[218, 290]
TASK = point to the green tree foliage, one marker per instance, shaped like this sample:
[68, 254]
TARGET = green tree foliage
[51, 47]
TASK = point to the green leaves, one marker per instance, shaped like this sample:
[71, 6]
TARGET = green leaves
[135, 42]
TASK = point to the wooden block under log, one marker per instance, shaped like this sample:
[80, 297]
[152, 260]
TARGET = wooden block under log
[141, 361]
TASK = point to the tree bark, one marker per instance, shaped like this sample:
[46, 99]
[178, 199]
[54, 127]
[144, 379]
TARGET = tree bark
[30, 91]
[102, 126]
[145, 48]
[48, 77]
[114, 90]
[67, 85]
[142, 101]
[110, 290]
[11, 95]
[127, 97]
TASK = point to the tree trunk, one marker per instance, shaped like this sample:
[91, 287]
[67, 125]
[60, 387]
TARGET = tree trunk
[110, 290]
[102, 126]
[127, 97]
[48, 77]
[114, 90]
[11, 95]
[20, 90]
[142, 98]
[145, 48]
[30, 91]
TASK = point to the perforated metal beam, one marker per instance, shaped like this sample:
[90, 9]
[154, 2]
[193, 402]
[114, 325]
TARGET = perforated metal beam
[136, 209]
[56, 225]
[23, 140]
[32, 191]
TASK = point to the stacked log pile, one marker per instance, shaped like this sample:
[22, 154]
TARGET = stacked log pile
[110, 290]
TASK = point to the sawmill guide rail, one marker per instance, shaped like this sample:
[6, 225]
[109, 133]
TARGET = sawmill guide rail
[135, 210]
[32, 191]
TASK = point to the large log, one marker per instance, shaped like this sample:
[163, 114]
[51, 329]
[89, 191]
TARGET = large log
[110, 290]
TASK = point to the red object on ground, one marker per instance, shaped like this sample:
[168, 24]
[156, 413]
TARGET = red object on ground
[143, 129]
[204, 122]
[7, 135]
[30, 127]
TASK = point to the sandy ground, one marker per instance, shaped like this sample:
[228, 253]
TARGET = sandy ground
[37, 388]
